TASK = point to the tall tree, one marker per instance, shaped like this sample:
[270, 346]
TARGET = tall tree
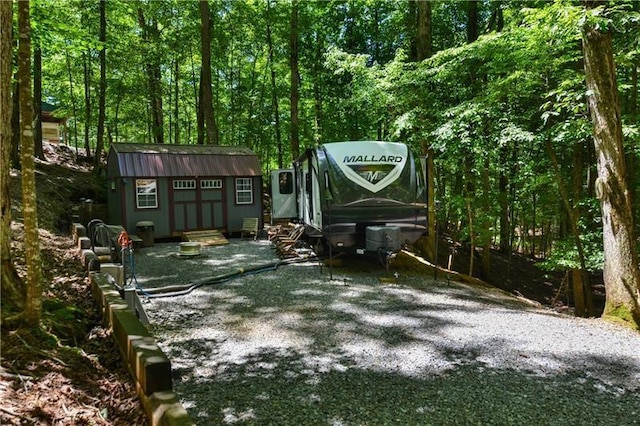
[15, 123]
[150, 36]
[424, 39]
[469, 160]
[37, 100]
[176, 97]
[86, 66]
[33, 281]
[72, 98]
[621, 273]
[581, 290]
[11, 283]
[295, 81]
[97, 160]
[206, 98]
[274, 93]
[424, 47]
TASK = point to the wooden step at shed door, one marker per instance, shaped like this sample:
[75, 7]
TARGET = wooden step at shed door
[211, 237]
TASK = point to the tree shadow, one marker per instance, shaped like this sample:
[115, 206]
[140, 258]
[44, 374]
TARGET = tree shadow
[297, 348]
[273, 387]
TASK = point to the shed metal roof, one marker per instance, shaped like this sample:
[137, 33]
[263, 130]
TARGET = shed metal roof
[164, 160]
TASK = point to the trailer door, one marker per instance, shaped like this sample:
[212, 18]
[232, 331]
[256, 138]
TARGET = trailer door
[283, 195]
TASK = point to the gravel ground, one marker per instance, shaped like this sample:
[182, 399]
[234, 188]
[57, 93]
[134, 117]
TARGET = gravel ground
[291, 346]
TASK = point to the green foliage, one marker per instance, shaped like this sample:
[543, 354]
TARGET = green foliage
[492, 104]
[564, 255]
[60, 311]
[64, 321]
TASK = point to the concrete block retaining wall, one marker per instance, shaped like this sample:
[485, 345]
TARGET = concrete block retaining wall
[149, 366]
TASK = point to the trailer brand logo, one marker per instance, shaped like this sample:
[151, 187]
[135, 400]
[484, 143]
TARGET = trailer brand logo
[374, 170]
[373, 159]
[372, 173]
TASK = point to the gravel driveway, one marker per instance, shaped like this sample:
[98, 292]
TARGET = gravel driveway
[290, 346]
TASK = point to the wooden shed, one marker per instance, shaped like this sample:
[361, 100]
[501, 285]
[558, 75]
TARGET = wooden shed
[183, 188]
[52, 125]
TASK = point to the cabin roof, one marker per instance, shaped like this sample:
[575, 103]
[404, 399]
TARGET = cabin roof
[47, 107]
[165, 160]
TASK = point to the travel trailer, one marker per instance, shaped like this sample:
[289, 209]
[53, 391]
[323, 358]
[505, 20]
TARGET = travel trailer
[364, 196]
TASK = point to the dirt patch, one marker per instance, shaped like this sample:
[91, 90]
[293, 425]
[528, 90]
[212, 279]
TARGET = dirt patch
[69, 371]
[521, 276]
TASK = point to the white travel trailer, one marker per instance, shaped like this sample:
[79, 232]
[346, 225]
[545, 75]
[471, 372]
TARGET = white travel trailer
[365, 196]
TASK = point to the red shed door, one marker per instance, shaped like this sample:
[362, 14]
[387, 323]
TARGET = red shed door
[196, 204]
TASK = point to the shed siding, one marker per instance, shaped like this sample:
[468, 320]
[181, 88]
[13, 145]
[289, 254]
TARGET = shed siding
[158, 216]
[239, 211]
[182, 209]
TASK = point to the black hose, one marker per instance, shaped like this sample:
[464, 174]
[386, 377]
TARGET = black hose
[181, 290]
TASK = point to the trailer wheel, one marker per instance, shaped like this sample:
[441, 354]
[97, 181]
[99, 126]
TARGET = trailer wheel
[320, 247]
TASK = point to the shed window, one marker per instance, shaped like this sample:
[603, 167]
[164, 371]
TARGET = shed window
[184, 184]
[211, 184]
[244, 191]
[146, 194]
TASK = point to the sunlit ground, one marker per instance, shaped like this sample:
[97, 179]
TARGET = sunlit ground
[292, 346]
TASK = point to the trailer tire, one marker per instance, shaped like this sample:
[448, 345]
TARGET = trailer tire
[320, 247]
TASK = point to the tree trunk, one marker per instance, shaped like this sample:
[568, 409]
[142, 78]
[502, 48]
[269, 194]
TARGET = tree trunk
[87, 101]
[534, 226]
[578, 293]
[295, 79]
[503, 199]
[632, 159]
[156, 96]
[11, 284]
[176, 97]
[496, 21]
[423, 45]
[621, 273]
[411, 27]
[15, 124]
[73, 102]
[472, 241]
[33, 301]
[274, 92]
[486, 226]
[97, 163]
[423, 42]
[472, 21]
[206, 98]
[582, 289]
[150, 34]
[37, 101]
[317, 97]
[200, 113]
[233, 79]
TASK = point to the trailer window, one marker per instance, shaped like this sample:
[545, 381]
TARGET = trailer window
[285, 183]
[146, 194]
[244, 191]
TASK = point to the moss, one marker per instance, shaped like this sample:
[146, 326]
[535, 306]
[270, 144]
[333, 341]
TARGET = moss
[621, 314]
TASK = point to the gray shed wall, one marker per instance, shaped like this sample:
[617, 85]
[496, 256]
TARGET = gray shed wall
[213, 208]
[237, 212]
